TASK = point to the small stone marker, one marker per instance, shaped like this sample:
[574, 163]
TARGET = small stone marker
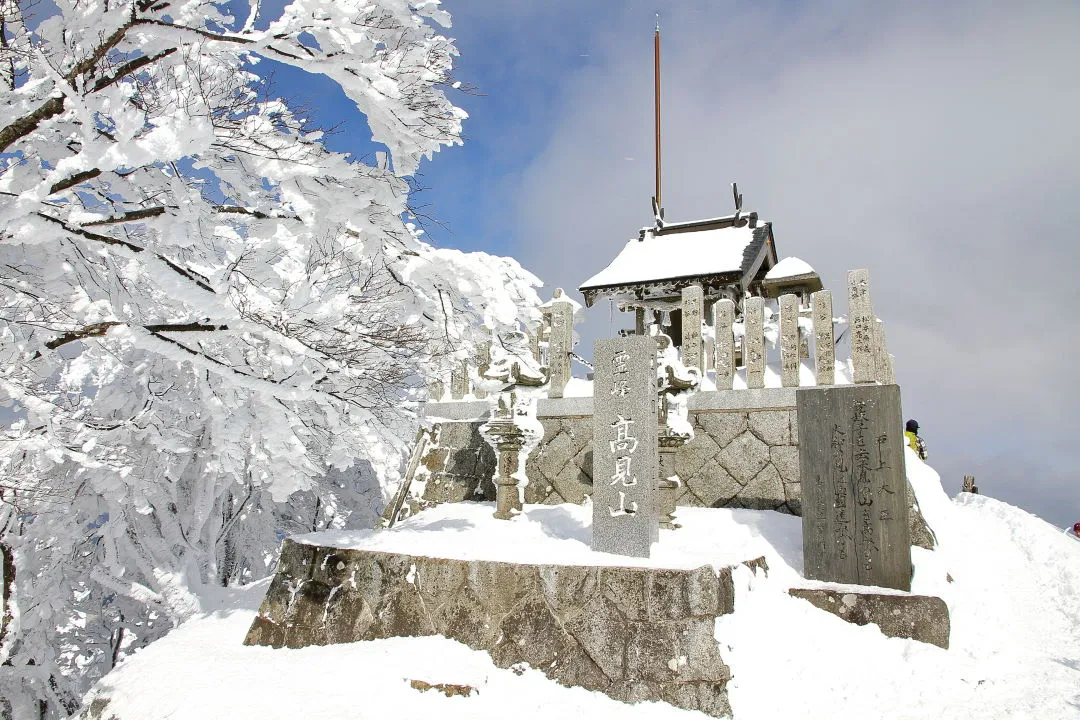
[724, 355]
[560, 345]
[693, 303]
[854, 499]
[459, 381]
[789, 340]
[754, 341]
[861, 317]
[824, 343]
[626, 514]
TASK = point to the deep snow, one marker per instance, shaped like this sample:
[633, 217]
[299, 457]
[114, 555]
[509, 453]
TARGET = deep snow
[1015, 646]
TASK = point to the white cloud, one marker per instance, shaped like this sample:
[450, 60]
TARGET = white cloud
[936, 146]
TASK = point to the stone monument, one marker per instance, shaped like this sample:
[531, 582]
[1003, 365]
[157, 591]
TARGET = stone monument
[754, 342]
[863, 330]
[824, 344]
[693, 301]
[625, 492]
[854, 488]
[724, 353]
[789, 340]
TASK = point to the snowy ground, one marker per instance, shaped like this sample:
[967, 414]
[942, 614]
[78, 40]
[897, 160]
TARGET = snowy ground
[1015, 648]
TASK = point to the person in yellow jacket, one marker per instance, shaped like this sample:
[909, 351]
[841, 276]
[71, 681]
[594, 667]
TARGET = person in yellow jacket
[911, 434]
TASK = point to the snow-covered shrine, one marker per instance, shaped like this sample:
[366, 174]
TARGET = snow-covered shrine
[589, 518]
[583, 518]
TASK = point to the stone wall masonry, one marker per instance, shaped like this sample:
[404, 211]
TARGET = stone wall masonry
[635, 634]
[735, 433]
[744, 453]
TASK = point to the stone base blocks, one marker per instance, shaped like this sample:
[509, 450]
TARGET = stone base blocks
[917, 617]
[634, 634]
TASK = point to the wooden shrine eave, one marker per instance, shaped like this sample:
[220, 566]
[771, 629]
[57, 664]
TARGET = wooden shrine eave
[667, 288]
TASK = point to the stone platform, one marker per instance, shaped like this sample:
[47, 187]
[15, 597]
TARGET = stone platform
[917, 617]
[633, 633]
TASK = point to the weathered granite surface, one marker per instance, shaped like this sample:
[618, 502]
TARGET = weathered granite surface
[632, 633]
[918, 617]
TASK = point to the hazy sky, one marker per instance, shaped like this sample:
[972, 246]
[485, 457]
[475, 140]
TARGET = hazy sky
[936, 144]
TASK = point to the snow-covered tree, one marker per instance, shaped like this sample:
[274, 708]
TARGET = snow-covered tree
[208, 321]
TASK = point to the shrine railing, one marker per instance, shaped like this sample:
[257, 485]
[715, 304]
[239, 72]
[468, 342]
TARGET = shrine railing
[731, 350]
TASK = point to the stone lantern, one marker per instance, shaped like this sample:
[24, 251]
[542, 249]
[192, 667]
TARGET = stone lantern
[512, 433]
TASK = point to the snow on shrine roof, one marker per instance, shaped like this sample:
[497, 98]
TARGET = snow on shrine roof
[789, 267]
[684, 250]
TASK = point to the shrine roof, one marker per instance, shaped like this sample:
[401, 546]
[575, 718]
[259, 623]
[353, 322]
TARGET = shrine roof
[720, 247]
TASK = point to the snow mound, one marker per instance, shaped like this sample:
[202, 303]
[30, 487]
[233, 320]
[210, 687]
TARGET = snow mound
[789, 267]
[1014, 596]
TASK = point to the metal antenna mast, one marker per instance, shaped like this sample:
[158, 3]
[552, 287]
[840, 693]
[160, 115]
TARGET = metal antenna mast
[656, 57]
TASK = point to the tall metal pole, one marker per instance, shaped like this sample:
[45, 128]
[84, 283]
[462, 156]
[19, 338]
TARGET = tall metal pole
[656, 57]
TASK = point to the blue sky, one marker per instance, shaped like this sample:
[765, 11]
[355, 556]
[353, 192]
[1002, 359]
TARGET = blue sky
[933, 143]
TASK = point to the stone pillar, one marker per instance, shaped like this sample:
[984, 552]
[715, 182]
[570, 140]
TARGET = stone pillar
[639, 321]
[824, 343]
[669, 479]
[754, 341]
[789, 340]
[436, 390]
[861, 319]
[459, 380]
[881, 354]
[693, 300]
[560, 344]
[481, 360]
[626, 510]
[534, 342]
[724, 354]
